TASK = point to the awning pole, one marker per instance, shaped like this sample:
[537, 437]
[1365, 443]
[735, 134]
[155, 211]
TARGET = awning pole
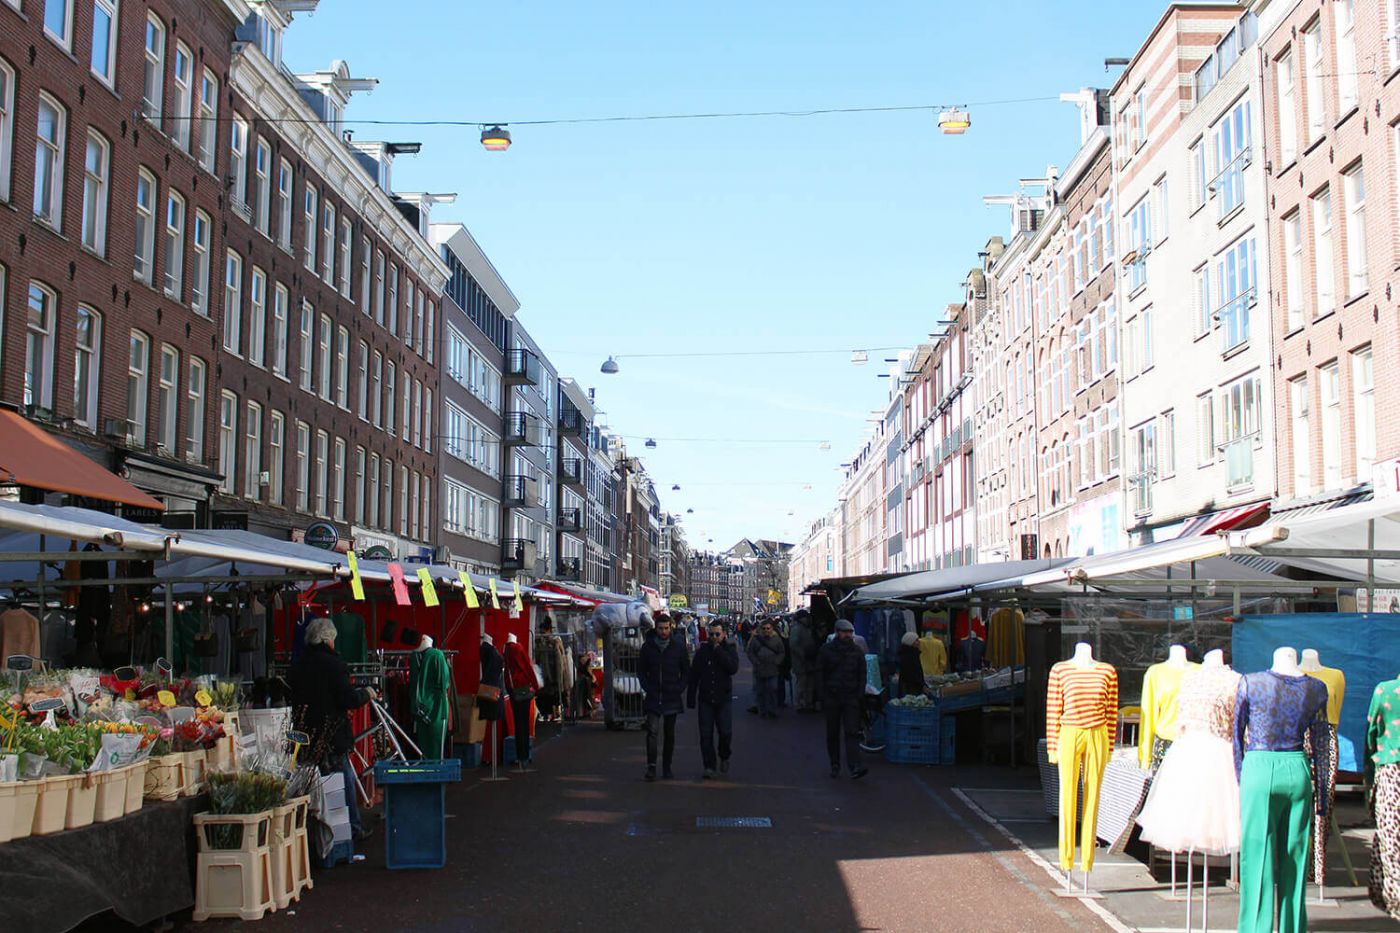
[169, 625]
[43, 572]
[1370, 565]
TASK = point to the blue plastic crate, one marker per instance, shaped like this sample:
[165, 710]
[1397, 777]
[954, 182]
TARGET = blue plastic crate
[415, 810]
[898, 715]
[948, 747]
[340, 852]
[922, 752]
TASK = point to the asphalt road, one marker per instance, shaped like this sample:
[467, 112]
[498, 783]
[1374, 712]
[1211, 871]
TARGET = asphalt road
[584, 843]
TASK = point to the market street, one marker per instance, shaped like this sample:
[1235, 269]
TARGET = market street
[584, 843]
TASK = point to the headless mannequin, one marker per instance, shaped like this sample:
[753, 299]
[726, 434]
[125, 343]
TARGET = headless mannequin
[1311, 662]
[428, 679]
[1215, 658]
[1286, 663]
[1083, 655]
[1176, 656]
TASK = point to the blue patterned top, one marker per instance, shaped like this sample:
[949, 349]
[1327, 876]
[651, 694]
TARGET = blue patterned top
[1273, 710]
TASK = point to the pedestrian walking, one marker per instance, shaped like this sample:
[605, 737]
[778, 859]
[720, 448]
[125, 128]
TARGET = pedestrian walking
[802, 644]
[766, 654]
[663, 667]
[785, 668]
[842, 667]
[710, 682]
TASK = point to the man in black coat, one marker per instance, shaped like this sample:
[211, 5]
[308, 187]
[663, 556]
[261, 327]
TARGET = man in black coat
[663, 667]
[322, 696]
[842, 666]
[716, 662]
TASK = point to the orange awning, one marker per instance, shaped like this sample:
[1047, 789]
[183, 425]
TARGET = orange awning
[29, 456]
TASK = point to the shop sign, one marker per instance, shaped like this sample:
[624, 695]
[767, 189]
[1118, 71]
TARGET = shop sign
[1385, 479]
[226, 520]
[377, 552]
[322, 535]
[141, 515]
[678, 601]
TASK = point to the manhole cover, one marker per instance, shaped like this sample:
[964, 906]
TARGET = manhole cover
[733, 822]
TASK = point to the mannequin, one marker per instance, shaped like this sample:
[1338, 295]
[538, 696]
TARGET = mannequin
[1383, 769]
[523, 684]
[1213, 658]
[932, 654]
[1160, 687]
[428, 683]
[1080, 711]
[1326, 778]
[1336, 682]
[1275, 712]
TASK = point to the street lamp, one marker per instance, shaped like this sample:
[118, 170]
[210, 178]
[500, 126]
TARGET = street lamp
[650, 442]
[954, 122]
[676, 488]
[495, 138]
[610, 366]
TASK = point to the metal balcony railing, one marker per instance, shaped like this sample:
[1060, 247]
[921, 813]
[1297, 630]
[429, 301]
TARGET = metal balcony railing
[570, 519]
[522, 429]
[1239, 461]
[517, 554]
[571, 471]
[571, 421]
[520, 491]
[522, 368]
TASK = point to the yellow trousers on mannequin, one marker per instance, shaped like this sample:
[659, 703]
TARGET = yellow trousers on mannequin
[1081, 751]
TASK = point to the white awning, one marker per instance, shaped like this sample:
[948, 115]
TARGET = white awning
[916, 586]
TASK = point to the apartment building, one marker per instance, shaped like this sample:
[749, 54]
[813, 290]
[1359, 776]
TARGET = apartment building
[893, 456]
[1331, 112]
[674, 578]
[818, 556]
[531, 407]
[602, 561]
[575, 421]
[858, 522]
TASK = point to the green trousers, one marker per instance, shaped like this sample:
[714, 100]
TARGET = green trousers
[1276, 810]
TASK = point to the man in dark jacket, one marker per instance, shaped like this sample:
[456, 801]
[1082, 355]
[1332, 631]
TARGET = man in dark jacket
[802, 645]
[322, 695]
[842, 667]
[766, 654]
[716, 662]
[663, 667]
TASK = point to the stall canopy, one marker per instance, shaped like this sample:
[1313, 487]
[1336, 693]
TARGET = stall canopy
[32, 457]
[590, 596]
[917, 586]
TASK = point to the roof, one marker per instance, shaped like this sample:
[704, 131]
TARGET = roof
[30, 456]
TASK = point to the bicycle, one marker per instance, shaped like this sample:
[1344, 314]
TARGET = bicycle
[872, 717]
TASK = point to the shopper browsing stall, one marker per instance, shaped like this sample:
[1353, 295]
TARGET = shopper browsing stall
[523, 683]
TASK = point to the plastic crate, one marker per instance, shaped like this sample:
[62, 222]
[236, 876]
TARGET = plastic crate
[922, 751]
[948, 747]
[415, 811]
[340, 852]
[898, 716]
[469, 754]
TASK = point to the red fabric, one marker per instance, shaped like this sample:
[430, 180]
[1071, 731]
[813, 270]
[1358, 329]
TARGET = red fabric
[520, 672]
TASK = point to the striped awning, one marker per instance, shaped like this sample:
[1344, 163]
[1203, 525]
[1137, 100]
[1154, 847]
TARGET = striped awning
[1225, 520]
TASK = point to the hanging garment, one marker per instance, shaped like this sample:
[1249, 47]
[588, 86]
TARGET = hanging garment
[56, 641]
[1336, 683]
[1276, 809]
[1384, 886]
[493, 674]
[1160, 687]
[932, 655]
[427, 675]
[1325, 784]
[19, 634]
[1194, 801]
[350, 637]
[1081, 703]
[1006, 638]
[970, 654]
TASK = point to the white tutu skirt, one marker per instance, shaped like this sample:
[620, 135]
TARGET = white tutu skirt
[1194, 802]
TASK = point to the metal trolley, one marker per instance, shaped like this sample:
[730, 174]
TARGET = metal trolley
[622, 688]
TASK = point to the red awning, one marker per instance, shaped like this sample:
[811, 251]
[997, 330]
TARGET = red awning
[29, 456]
[1244, 516]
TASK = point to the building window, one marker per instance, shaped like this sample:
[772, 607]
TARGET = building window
[408, 312]
[414, 481]
[406, 418]
[252, 451]
[1354, 195]
[138, 376]
[103, 56]
[257, 317]
[58, 21]
[419, 320]
[1314, 107]
[303, 465]
[428, 419]
[49, 147]
[7, 126]
[1231, 138]
[323, 358]
[432, 325]
[87, 368]
[390, 399]
[284, 204]
[262, 177]
[167, 399]
[417, 413]
[362, 387]
[1331, 397]
[379, 287]
[233, 302]
[338, 481]
[1293, 269]
[276, 443]
[182, 98]
[373, 491]
[375, 390]
[343, 260]
[194, 412]
[393, 300]
[39, 348]
[1140, 118]
[403, 501]
[1205, 429]
[359, 485]
[174, 245]
[1236, 279]
[309, 227]
[1201, 293]
[328, 242]
[1345, 65]
[199, 285]
[279, 329]
[238, 166]
[1166, 443]
[1300, 405]
[1239, 428]
[208, 119]
[96, 165]
[319, 471]
[342, 368]
[364, 274]
[1363, 399]
[1200, 177]
[153, 88]
[145, 227]
[228, 440]
[1140, 242]
[1323, 271]
[1144, 451]
[1285, 71]
[306, 349]
[388, 495]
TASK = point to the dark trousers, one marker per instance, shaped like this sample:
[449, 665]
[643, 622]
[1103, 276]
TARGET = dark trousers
[843, 716]
[767, 695]
[520, 711]
[713, 717]
[657, 722]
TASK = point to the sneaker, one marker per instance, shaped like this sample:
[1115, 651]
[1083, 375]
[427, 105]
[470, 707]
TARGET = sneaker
[836, 771]
[724, 766]
[859, 773]
[709, 774]
[651, 773]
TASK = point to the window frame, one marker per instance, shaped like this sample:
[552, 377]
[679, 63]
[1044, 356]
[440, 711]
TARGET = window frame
[153, 75]
[112, 9]
[87, 367]
[233, 302]
[96, 193]
[138, 388]
[40, 347]
[195, 392]
[182, 104]
[144, 268]
[173, 270]
[208, 107]
[55, 154]
[168, 400]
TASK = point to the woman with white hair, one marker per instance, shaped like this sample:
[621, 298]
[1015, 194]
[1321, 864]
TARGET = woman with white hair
[911, 667]
[322, 697]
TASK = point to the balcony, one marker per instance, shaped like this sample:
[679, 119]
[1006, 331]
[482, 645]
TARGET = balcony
[571, 519]
[521, 492]
[570, 568]
[571, 423]
[522, 430]
[571, 471]
[517, 554]
[522, 368]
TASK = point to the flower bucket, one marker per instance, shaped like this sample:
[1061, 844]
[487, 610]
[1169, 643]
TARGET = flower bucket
[111, 795]
[136, 786]
[9, 767]
[165, 776]
[26, 798]
[196, 762]
[82, 802]
[8, 799]
[51, 809]
[221, 756]
[31, 766]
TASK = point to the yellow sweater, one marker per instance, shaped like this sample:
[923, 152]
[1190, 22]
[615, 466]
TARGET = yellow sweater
[933, 656]
[1336, 683]
[1160, 687]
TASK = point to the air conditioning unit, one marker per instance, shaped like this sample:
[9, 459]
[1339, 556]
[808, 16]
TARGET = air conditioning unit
[265, 478]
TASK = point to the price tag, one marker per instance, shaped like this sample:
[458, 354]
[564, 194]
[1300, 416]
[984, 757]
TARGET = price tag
[166, 698]
[202, 698]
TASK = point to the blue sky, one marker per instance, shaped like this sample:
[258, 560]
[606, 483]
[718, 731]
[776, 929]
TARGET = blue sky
[775, 233]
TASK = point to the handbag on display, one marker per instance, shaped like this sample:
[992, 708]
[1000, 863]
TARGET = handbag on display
[522, 694]
[488, 693]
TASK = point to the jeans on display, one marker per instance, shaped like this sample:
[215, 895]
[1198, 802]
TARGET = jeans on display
[520, 712]
[1081, 751]
[352, 793]
[716, 717]
[767, 696]
[843, 717]
[657, 722]
[1276, 813]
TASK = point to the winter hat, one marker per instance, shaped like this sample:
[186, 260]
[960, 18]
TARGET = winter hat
[844, 625]
[909, 639]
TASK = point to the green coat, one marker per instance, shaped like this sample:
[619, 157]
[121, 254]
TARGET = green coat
[429, 682]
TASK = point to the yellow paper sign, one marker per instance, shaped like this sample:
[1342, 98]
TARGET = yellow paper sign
[166, 698]
[425, 584]
[519, 603]
[202, 698]
[495, 597]
[357, 586]
[468, 591]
